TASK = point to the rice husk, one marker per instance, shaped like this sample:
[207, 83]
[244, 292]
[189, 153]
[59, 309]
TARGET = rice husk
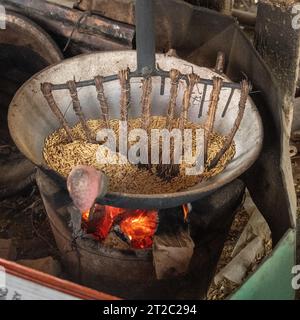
[62, 156]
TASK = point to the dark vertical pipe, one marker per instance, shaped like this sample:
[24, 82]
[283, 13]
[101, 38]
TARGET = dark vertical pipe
[145, 36]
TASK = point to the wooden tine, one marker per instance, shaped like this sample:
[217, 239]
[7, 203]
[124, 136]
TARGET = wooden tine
[245, 89]
[174, 77]
[46, 89]
[125, 93]
[209, 125]
[146, 102]
[192, 81]
[78, 110]
[102, 100]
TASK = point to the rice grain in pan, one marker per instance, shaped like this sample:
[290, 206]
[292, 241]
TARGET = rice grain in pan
[62, 156]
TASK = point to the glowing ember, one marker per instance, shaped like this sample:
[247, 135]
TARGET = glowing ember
[85, 216]
[138, 226]
[106, 222]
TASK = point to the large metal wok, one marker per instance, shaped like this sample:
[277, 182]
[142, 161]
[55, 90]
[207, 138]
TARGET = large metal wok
[31, 120]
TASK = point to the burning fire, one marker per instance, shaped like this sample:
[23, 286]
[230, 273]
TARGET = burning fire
[138, 226]
[186, 211]
[108, 219]
[85, 216]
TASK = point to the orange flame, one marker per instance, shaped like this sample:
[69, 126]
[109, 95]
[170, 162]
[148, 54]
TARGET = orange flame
[140, 228]
[186, 210]
[85, 216]
[138, 225]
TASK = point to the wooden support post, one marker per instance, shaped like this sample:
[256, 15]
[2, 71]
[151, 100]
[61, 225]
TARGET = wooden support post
[278, 43]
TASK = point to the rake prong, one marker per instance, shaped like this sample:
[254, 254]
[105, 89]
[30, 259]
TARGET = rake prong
[78, 110]
[146, 102]
[174, 77]
[192, 80]
[209, 125]
[46, 89]
[102, 99]
[168, 171]
[202, 101]
[242, 105]
[124, 77]
[228, 102]
[146, 110]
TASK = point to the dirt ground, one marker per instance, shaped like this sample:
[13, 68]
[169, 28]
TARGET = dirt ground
[23, 219]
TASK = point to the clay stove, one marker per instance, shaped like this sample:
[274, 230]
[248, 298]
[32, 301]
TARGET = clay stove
[144, 269]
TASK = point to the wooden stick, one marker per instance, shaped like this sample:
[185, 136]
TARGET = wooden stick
[193, 79]
[78, 110]
[47, 92]
[209, 125]
[174, 77]
[242, 105]
[102, 99]
[125, 93]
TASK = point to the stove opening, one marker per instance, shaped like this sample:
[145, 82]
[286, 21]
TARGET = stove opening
[134, 227]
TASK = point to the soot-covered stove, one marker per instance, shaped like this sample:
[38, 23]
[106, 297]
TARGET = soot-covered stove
[166, 253]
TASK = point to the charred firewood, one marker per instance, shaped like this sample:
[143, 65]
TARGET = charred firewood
[245, 89]
[95, 215]
[121, 235]
[102, 100]
[78, 110]
[47, 92]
